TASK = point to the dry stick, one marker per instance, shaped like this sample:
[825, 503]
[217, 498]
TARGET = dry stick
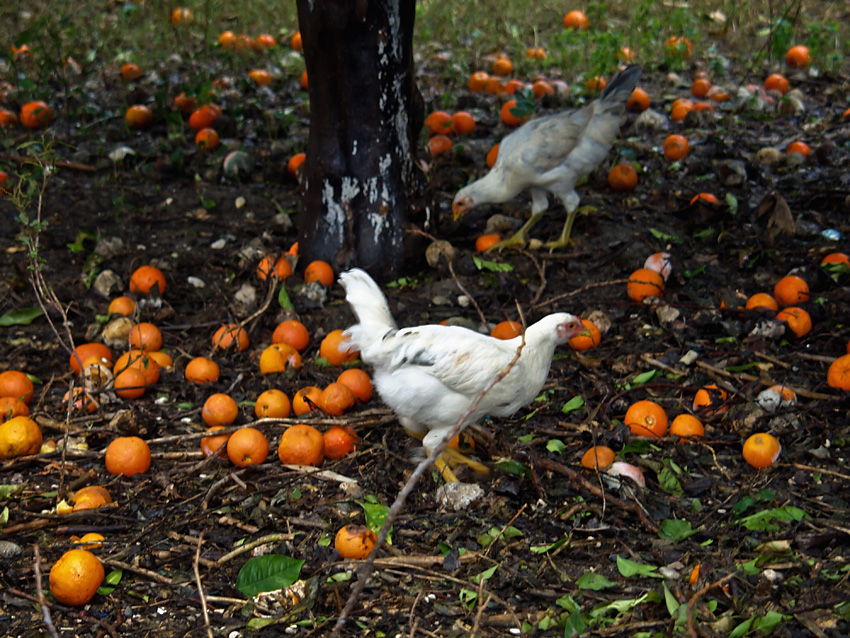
[23, 159]
[692, 629]
[578, 291]
[368, 566]
[110, 629]
[45, 610]
[767, 382]
[541, 272]
[150, 575]
[247, 547]
[505, 527]
[810, 468]
[466, 292]
[200, 585]
[548, 464]
[410, 617]
[481, 607]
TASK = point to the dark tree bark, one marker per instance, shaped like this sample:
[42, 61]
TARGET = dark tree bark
[365, 115]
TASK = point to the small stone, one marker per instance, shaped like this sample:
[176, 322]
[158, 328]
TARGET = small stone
[458, 496]
[107, 283]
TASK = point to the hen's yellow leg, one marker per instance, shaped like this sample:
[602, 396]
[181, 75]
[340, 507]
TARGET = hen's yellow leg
[520, 238]
[564, 240]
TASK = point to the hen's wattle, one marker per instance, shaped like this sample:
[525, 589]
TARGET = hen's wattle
[549, 155]
[430, 375]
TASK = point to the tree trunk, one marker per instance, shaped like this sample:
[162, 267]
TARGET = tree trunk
[365, 115]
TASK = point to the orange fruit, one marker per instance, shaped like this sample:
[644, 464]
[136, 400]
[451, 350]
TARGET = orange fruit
[576, 19]
[146, 279]
[488, 240]
[7, 118]
[295, 162]
[700, 87]
[718, 94]
[660, 263]
[506, 330]
[306, 400]
[798, 147]
[278, 357]
[202, 370]
[305, 81]
[676, 147]
[162, 359]
[91, 497]
[260, 77]
[145, 336]
[266, 40]
[644, 283]
[247, 446]
[703, 106]
[82, 402]
[622, 177]
[320, 271]
[140, 362]
[710, 399]
[185, 103]
[492, 155]
[280, 266]
[19, 436]
[494, 86]
[477, 81]
[332, 349]
[535, 53]
[510, 87]
[596, 83]
[838, 375]
[626, 55]
[10, 407]
[704, 197]
[227, 39]
[541, 88]
[340, 441]
[128, 456]
[122, 305]
[438, 123]
[686, 426]
[209, 444]
[509, 118]
[358, 382]
[761, 450]
[836, 258]
[219, 409]
[92, 540]
[797, 319]
[204, 117]
[503, 66]
[638, 101]
[75, 577]
[678, 46]
[231, 336]
[762, 301]
[87, 350]
[798, 57]
[439, 144]
[355, 542]
[293, 333]
[207, 139]
[296, 42]
[463, 123]
[301, 445]
[586, 342]
[776, 82]
[129, 384]
[272, 404]
[646, 418]
[138, 116]
[14, 383]
[598, 457]
[35, 115]
[679, 112]
[335, 399]
[130, 71]
[182, 16]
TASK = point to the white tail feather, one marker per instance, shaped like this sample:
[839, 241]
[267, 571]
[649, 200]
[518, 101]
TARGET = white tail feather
[369, 305]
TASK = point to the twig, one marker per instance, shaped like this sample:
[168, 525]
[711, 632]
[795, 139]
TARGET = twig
[247, 547]
[45, 610]
[467, 293]
[583, 289]
[200, 585]
[541, 272]
[821, 470]
[505, 527]
[17, 593]
[767, 382]
[59, 163]
[692, 629]
[368, 566]
[410, 616]
[150, 575]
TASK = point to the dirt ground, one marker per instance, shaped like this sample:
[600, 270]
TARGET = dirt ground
[541, 523]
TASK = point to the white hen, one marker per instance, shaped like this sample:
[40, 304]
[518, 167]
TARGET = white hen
[430, 375]
[551, 154]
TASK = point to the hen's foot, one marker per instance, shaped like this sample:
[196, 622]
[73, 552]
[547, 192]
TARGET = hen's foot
[520, 238]
[564, 239]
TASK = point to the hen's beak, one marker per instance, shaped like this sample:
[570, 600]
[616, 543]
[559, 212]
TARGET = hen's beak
[458, 209]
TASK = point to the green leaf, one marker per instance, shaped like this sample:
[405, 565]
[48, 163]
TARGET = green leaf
[732, 201]
[670, 601]
[21, 316]
[267, 573]
[8, 490]
[567, 602]
[573, 404]
[542, 549]
[769, 621]
[525, 438]
[675, 530]
[114, 577]
[594, 582]
[555, 446]
[668, 481]
[629, 568]
[764, 521]
[664, 237]
[645, 377]
[4, 517]
[492, 266]
[376, 514]
[575, 625]
[512, 467]
[485, 575]
[742, 630]
[283, 299]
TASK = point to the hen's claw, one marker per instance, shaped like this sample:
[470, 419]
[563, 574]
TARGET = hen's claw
[519, 238]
